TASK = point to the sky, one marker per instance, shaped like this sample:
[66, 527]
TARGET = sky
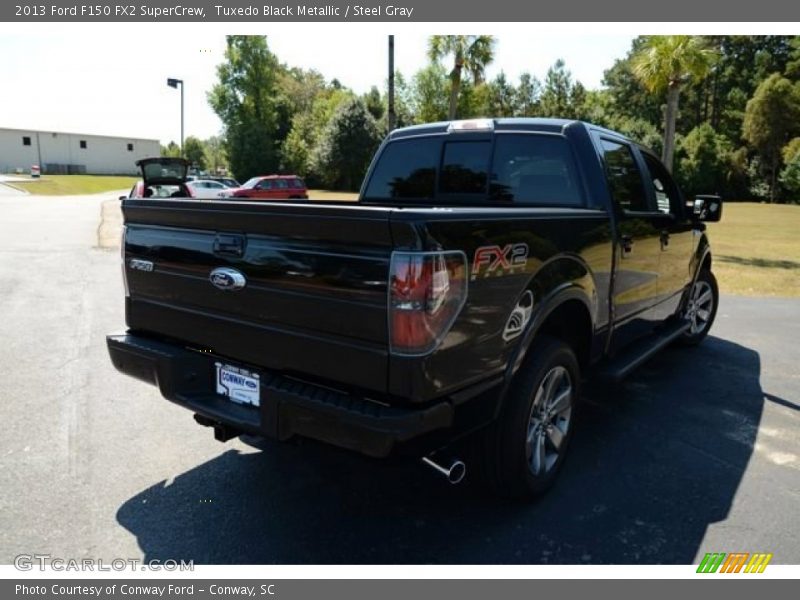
[110, 84]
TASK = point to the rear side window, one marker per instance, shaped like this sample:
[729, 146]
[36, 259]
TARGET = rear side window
[298, 183]
[624, 177]
[534, 170]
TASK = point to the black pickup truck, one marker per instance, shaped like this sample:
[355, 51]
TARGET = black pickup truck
[488, 269]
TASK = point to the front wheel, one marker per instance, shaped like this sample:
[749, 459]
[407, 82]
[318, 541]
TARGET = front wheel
[701, 308]
[525, 448]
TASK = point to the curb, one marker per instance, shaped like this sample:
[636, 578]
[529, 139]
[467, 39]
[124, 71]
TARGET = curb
[13, 187]
[109, 230]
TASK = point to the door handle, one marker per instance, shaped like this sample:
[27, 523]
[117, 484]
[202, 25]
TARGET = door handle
[626, 242]
[229, 244]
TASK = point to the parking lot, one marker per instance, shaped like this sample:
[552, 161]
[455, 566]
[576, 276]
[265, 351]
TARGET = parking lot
[699, 451]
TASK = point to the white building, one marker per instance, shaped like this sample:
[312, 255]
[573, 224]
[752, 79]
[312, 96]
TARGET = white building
[66, 153]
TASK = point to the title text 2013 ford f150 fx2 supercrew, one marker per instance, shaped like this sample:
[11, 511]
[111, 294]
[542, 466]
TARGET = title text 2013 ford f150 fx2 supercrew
[488, 268]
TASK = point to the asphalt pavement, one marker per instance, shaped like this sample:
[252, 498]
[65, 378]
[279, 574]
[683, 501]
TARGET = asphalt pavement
[699, 451]
[7, 187]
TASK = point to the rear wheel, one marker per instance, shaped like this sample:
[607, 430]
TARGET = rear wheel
[701, 308]
[523, 451]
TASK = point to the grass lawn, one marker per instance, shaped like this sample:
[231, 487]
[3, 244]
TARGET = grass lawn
[62, 185]
[756, 249]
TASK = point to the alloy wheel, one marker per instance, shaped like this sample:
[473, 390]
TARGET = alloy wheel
[700, 307]
[549, 421]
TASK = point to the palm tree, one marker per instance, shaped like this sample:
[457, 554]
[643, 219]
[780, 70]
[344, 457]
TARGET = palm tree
[667, 63]
[471, 53]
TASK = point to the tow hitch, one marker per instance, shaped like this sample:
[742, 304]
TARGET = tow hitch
[222, 432]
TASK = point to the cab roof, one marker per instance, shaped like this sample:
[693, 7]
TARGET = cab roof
[504, 124]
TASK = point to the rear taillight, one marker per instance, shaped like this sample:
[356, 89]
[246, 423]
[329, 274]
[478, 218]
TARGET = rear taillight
[426, 292]
[122, 260]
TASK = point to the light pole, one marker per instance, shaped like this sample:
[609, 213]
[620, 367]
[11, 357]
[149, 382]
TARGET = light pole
[392, 117]
[174, 83]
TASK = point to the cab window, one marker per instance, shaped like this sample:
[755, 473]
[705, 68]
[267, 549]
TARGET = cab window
[666, 192]
[624, 177]
[464, 167]
[406, 169]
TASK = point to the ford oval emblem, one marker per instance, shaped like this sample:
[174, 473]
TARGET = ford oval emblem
[227, 279]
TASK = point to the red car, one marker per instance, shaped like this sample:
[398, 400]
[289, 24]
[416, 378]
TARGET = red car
[271, 187]
[159, 191]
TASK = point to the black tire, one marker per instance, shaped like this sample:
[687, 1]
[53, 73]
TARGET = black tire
[508, 463]
[697, 309]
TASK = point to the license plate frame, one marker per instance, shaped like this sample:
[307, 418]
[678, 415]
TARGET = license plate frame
[237, 384]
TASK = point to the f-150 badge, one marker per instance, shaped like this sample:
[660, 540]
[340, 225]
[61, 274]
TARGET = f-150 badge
[499, 260]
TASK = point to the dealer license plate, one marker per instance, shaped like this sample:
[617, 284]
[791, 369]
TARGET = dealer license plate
[238, 384]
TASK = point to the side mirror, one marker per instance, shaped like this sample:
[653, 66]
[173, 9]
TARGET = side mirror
[122, 198]
[706, 207]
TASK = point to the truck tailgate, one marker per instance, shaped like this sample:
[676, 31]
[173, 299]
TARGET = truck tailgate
[314, 301]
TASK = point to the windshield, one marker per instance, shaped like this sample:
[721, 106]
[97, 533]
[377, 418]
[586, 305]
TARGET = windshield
[251, 183]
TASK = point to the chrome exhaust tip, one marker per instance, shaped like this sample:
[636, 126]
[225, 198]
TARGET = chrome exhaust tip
[454, 472]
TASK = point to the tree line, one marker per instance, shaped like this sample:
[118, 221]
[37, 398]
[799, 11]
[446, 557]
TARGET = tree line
[723, 111]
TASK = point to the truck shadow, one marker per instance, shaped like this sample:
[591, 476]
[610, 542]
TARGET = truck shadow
[655, 461]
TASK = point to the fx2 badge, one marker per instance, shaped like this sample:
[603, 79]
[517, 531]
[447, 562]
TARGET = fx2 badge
[499, 260]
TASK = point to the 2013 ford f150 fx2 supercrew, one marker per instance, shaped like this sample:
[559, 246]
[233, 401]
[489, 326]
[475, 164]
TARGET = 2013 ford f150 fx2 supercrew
[488, 268]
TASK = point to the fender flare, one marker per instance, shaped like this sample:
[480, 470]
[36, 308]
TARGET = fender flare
[703, 251]
[563, 293]
[555, 299]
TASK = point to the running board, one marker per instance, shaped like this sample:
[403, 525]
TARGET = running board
[620, 366]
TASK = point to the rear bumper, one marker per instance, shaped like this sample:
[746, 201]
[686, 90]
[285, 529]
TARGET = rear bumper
[288, 407]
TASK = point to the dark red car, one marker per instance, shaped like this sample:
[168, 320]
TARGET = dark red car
[271, 187]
